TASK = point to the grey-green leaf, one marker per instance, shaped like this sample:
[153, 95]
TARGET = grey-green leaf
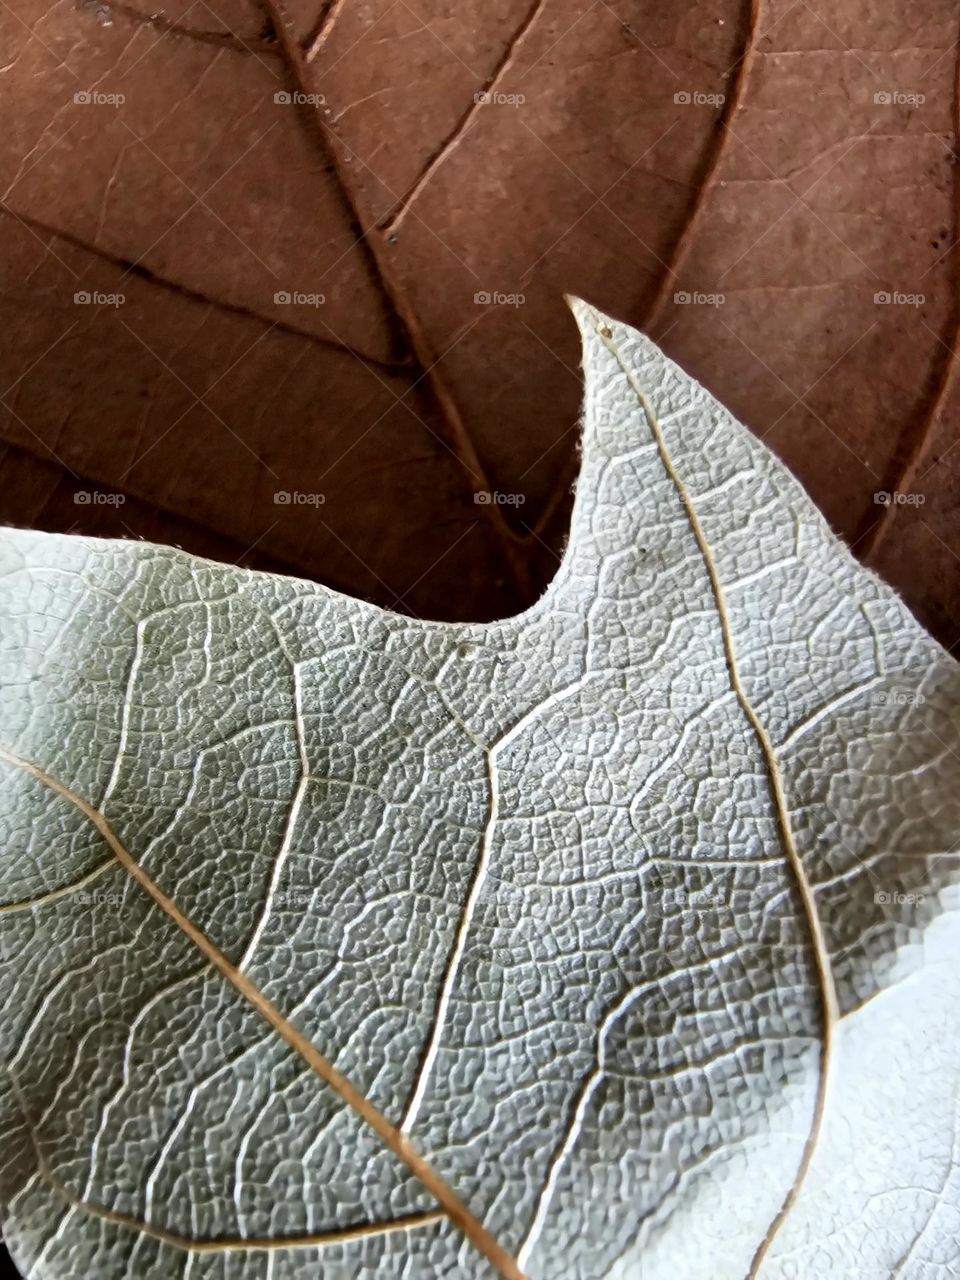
[632, 918]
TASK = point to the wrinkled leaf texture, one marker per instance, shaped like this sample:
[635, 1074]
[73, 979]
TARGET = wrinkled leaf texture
[797, 160]
[616, 939]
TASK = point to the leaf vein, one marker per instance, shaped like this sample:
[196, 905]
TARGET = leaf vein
[821, 955]
[397, 1142]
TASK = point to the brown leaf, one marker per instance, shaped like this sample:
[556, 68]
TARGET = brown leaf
[742, 180]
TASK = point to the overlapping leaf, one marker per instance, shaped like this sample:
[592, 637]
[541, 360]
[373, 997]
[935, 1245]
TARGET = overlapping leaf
[629, 917]
[768, 189]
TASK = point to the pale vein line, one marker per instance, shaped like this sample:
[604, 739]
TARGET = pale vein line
[324, 30]
[68, 1074]
[758, 575]
[223, 1244]
[243, 1146]
[107, 1109]
[827, 709]
[294, 815]
[821, 954]
[173, 1137]
[132, 676]
[42, 899]
[473, 897]
[671, 759]
[480, 870]
[587, 1091]
[592, 1080]
[453, 966]
[278, 866]
[461, 128]
[49, 996]
[397, 1142]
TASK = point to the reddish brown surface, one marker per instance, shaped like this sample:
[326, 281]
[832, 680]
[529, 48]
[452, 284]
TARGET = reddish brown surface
[399, 198]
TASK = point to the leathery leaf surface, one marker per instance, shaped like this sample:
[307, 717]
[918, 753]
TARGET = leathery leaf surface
[611, 940]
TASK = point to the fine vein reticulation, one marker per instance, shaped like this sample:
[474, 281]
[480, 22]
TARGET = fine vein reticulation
[821, 954]
[222, 1244]
[473, 897]
[772, 739]
[399, 1143]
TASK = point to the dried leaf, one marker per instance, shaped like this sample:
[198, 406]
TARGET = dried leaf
[602, 941]
[742, 181]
